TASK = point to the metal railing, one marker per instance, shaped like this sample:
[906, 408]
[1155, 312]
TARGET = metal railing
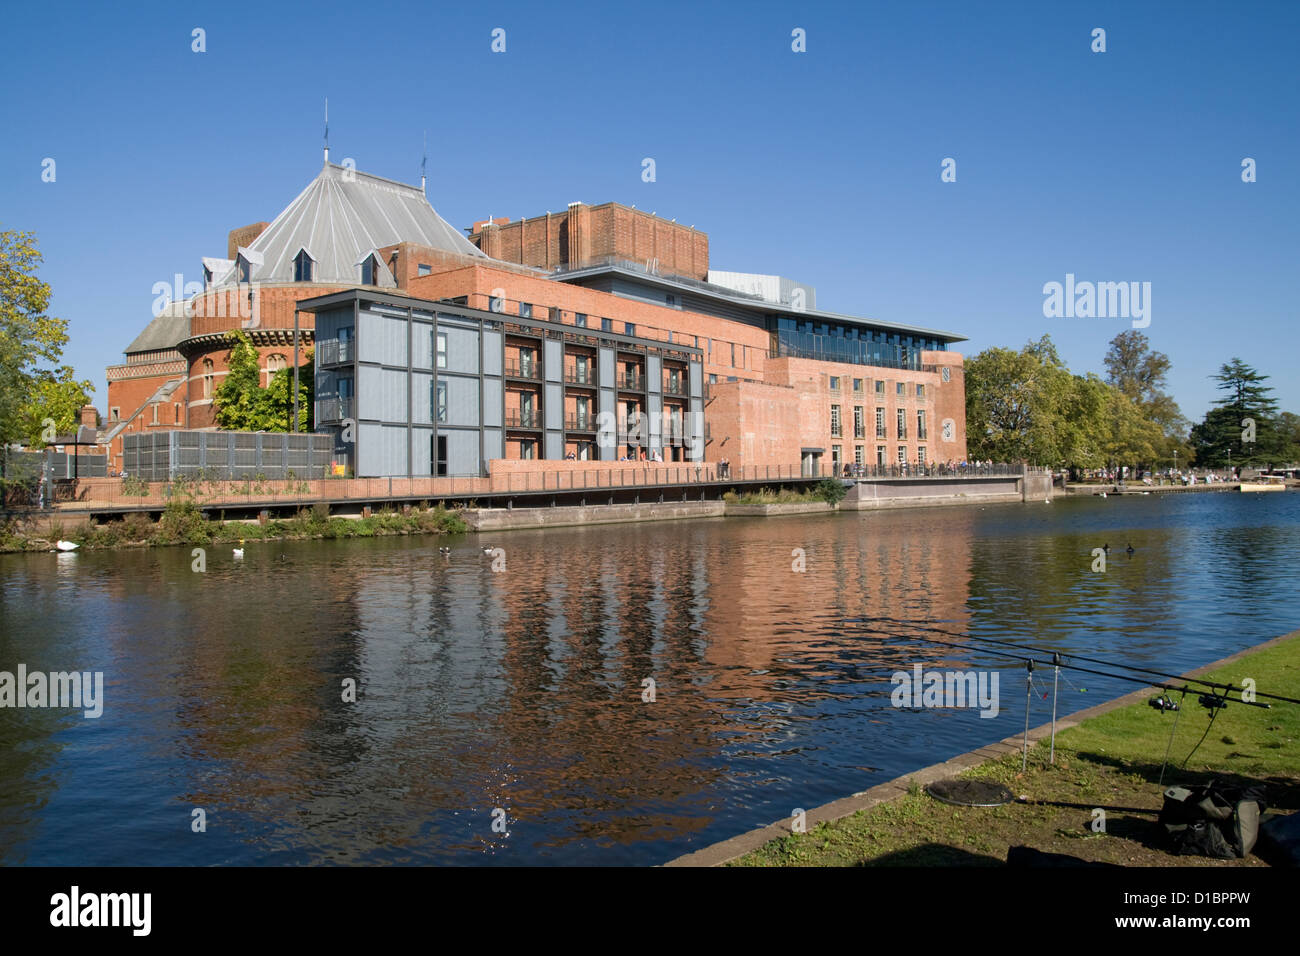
[335, 409]
[632, 381]
[523, 370]
[574, 376]
[523, 420]
[674, 386]
[581, 423]
[334, 352]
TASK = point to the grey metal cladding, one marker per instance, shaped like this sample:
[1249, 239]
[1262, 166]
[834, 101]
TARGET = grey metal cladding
[345, 213]
[553, 406]
[553, 360]
[654, 370]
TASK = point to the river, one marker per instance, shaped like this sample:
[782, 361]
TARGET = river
[515, 696]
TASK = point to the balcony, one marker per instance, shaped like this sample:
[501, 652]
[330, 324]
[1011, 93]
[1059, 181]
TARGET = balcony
[632, 381]
[580, 423]
[579, 376]
[335, 409]
[523, 419]
[527, 370]
[859, 432]
[334, 352]
[674, 386]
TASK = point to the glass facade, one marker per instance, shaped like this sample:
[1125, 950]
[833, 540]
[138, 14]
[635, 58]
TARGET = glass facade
[837, 342]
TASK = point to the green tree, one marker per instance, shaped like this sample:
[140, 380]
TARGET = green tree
[1014, 403]
[1224, 435]
[56, 396]
[243, 405]
[279, 398]
[1140, 373]
[31, 342]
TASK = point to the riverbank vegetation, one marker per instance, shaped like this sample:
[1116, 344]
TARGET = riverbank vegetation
[1112, 761]
[828, 490]
[1028, 406]
[183, 523]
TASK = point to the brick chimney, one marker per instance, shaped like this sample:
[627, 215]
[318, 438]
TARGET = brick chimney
[89, 416]
[243, 236]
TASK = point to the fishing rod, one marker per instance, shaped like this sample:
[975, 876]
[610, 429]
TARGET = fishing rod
[1218, 685]
[1058, 661]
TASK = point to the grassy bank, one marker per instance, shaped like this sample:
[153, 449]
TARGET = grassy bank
[1111, 761]
[183, 523]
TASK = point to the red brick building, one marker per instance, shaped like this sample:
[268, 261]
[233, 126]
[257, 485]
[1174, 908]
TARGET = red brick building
[785, 383]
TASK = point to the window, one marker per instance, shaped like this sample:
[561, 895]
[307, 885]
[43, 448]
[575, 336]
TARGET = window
[713, 378]
[670, 335]
[902, 454]
[580, 370]
[859, 455]
[425, 270]
[114, 414]
[528, 449]
[857, 388]
[835, 383]
[527, 363]
[274, 363]
[945, 373]
[345, 344]
[154, 406]
[525, 310]
[733, 354]
[880, 423]
[440, 456]
[176, 413]
[441, 349]
[580, 319]
[920, 391]
[245, 269]
[898, 388]
[607, 325]
[835, 456]
[920, 425]
[496, 303]
[880, 388]
[902, 423]
[629, 328]
[880, 456]
[303, 267]
[835, 420]
[207, 378]
[859, 422]
[920, 455]
[370, 271]
[670, 300]
[440, 403]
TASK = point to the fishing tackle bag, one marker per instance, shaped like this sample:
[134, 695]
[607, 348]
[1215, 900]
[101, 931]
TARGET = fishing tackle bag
[1212, 820]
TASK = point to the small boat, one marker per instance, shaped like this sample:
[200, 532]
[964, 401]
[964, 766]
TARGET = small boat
[66, 545]
[1264, 483]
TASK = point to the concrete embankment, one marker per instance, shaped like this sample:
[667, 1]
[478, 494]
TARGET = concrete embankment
[505, 519]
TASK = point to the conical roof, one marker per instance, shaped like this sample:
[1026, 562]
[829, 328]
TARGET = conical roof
[344, 214]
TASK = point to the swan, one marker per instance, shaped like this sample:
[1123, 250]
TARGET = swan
[239, 551]
[66, 545]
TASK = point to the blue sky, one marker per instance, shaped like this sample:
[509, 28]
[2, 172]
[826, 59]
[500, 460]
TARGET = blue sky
[823, 166]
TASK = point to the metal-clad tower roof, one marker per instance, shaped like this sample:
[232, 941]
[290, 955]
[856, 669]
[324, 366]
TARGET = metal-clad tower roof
[342, 215]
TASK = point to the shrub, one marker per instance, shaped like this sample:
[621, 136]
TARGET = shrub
[830, 490]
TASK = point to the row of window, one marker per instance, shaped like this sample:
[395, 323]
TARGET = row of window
[900, 388]
[859, 423]
[859, 455]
